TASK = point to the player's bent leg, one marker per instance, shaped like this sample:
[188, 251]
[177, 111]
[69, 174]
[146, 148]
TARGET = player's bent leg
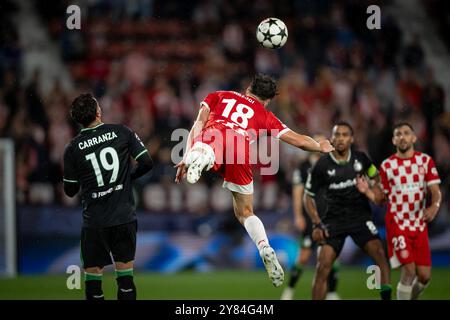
[421, 281]
[93, 283]
[200, 157]
[405, 285]
[374, 248]
[126, 290]
[325, 260]
[243, 210]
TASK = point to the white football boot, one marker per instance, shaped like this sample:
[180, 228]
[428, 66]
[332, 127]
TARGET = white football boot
[332, 296]
[197, 161]
[288, 294]
[273, 267]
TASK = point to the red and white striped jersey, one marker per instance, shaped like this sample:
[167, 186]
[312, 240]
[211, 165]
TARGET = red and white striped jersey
[405, 182]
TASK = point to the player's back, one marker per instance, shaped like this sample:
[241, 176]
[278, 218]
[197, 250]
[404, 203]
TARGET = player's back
[240, 112]
[99, 159]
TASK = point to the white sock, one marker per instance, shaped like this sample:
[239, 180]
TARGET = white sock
[417, 289]
[404, 291]
[256, 231]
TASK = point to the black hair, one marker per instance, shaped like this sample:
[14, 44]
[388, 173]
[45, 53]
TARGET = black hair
[263, 86]
[401, 124]
[84, 109]
[346, 124]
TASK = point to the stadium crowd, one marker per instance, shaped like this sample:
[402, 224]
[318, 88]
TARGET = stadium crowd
[151, 62]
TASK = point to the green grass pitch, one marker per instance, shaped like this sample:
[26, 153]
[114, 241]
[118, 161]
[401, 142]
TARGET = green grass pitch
[234, 284]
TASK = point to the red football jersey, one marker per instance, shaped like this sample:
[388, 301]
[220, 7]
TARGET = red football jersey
[242, 113]
[405, 182]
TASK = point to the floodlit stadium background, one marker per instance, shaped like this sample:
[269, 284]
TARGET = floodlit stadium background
[150, 62]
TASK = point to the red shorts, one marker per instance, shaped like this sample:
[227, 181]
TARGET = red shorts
[232, 157]
[405, 246]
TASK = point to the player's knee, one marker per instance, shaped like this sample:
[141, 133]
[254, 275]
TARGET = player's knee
[380, 255]
[244, 212]
[323, 269]
[94, 270]
[423, 277]
[408, 275]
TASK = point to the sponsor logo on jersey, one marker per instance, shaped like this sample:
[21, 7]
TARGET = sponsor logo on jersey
[96, 140]
[100, 194]
[408, 187]
[331, 173]
[343, 185]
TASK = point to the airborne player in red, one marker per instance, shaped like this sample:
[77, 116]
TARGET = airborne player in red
[220, 140]
[406, 178]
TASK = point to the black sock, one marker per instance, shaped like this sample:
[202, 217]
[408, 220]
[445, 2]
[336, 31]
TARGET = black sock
[333, 279]
[296, 272]
[126, 290]
[93, 290]
[386, 292]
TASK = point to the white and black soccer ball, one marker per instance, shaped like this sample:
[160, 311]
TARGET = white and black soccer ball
[272, 33]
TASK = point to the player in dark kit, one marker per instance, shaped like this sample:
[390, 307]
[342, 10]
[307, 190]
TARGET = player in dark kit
[304, 224]
[348, 212]
[98, 161]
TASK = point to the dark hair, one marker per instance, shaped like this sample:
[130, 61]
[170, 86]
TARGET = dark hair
[346, 124]
[401, 124]
[84, 109]
[263, 86]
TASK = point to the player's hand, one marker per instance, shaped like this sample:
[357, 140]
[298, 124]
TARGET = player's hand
[181, 171]
[319, 233]
[319, 236]
[325, 146]
[300, 223]
[362, 184]
[430, 213]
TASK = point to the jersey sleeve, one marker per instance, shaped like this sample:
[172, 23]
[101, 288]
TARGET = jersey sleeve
[136, 147]
[314, 181]
[210, 101]
[70, 174]
[274, 126]
[369, 168]
[384, 180]
[432, 176]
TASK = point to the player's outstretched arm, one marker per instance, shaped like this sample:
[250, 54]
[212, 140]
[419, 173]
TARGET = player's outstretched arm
[306, 142]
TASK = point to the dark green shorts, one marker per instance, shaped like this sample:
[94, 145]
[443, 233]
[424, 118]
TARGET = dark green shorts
[102, 246]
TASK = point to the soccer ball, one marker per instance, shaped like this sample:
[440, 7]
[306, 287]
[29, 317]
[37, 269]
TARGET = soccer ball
[272, 33]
